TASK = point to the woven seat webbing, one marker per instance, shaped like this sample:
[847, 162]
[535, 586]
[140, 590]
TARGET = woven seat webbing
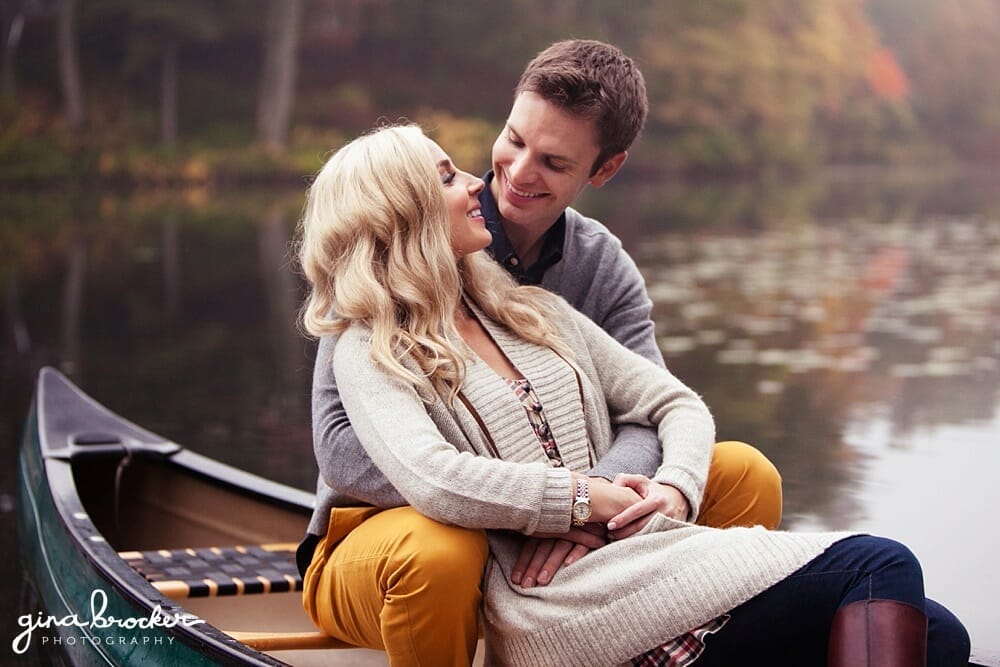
[208, 571]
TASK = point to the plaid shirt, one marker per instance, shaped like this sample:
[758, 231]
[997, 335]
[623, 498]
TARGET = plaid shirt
[682, 650]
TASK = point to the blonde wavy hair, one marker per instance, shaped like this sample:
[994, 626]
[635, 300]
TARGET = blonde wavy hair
[374, 243]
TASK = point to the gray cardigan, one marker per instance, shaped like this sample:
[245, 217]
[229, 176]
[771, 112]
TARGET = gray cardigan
[598, 278]
[479, 464]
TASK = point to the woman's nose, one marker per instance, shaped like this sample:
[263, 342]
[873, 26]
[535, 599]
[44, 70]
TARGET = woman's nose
[476, 185]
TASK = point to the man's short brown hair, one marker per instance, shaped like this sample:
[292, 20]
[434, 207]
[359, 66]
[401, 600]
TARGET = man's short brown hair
[594, 80]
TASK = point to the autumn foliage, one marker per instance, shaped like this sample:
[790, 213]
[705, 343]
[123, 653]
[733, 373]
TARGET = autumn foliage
[885, 77]
[735, 86]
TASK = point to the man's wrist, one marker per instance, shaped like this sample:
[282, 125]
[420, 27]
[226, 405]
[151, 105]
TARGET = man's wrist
[683, 498]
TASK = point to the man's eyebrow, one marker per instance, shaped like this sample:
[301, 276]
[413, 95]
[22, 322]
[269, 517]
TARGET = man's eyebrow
[547, 156]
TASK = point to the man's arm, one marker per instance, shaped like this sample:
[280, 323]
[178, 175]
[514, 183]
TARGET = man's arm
[636, 449]
[598, 278]
[343, 463]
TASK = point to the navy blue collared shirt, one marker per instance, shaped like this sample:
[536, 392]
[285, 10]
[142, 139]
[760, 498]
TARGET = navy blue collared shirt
[502, 250]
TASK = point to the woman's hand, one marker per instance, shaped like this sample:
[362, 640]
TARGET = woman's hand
[544, 553]
[661, 498]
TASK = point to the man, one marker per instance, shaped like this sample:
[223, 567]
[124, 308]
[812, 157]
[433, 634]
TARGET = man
[386, 577]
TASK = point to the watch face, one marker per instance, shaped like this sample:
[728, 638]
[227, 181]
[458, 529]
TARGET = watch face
[581, 511]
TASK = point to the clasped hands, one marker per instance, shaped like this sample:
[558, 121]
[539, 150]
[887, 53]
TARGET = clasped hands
[619, 509]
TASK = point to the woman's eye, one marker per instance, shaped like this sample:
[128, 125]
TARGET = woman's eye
[446, 179]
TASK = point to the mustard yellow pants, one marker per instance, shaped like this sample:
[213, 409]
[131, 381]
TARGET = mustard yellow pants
[397, 581]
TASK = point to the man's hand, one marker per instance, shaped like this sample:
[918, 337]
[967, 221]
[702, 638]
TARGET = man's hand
[609, 500]
[544, 553]
[661, 498]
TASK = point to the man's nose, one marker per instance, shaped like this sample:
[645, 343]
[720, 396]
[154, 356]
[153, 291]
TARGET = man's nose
[520, 169]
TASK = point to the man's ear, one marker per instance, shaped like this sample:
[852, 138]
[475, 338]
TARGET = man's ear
[607, 170]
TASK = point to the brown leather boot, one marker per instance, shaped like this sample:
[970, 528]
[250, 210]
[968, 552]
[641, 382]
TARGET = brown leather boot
[878, 633]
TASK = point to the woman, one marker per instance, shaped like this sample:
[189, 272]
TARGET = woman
[482, 401]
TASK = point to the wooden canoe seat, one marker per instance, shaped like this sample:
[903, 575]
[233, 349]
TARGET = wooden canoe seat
[240, 570]
[211, 571]
[287, 641]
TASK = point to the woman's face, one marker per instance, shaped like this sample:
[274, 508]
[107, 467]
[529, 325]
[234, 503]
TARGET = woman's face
[461, 198]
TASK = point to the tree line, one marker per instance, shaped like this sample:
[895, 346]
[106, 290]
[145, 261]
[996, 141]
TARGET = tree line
[154, 34]
[734, 85]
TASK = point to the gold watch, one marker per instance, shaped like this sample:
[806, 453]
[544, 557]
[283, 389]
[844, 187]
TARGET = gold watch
[581, 504]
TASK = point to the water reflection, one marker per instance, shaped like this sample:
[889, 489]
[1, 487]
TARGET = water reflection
[285, 416]
[171, 266]
[838, 319]
[846, 326]
[177, 311]
[855, 341]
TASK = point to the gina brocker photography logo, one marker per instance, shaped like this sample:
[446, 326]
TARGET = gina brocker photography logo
[98, 628]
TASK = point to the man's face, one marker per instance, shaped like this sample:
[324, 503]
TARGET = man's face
[542, 161]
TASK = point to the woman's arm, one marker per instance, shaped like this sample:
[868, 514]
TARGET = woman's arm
[441, 482]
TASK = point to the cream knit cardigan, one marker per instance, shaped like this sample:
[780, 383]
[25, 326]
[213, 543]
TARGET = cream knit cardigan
[478, 464]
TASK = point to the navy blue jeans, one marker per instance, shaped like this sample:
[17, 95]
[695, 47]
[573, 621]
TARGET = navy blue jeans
[790, 622]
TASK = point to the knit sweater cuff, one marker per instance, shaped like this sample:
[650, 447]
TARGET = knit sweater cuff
[557, 502]
[686, 484]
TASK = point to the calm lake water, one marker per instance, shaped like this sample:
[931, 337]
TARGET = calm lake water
[846, 325]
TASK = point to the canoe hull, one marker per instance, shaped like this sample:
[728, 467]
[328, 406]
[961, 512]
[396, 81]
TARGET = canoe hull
[92, 607]
[73, 582]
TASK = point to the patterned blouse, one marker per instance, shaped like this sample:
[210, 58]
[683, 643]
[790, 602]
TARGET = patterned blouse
[679, 651]
[536, 416]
